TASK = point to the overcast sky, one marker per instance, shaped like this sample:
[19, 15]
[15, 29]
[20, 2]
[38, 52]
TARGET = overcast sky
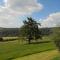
[13, 12]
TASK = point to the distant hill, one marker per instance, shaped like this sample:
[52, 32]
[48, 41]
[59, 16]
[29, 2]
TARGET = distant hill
[15, 31]
[9, 32]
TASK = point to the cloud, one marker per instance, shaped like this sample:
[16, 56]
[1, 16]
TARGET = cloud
[52, 20]
[9, 14]
[24, 6]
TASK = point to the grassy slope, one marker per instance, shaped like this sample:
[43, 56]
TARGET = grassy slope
[11, 50]
[47, 55]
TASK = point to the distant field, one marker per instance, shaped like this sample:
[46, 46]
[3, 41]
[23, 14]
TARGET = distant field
[9, 38]
[13, 49]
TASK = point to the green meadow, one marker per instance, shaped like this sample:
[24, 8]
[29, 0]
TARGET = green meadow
[18, 48]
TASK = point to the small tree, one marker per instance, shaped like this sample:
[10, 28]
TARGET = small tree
[31, 29]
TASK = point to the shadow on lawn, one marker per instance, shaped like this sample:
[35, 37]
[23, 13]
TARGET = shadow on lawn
[40, 42]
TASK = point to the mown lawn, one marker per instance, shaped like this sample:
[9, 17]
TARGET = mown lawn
[13, 49]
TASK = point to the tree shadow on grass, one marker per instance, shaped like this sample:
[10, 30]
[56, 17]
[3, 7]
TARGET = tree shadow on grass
[40, 42]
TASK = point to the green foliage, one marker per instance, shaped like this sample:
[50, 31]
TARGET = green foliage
[23, 31]
[30, 29]
[1, 39]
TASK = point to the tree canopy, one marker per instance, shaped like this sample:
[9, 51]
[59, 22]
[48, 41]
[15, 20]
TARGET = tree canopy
[31, 29]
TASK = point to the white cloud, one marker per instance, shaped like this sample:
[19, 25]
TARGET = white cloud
[52, 20]
[24, 6]
[14, 8]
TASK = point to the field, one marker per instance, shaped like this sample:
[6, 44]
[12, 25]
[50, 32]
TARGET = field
[13, 49]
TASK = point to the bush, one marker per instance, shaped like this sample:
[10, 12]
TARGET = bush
[1, 39]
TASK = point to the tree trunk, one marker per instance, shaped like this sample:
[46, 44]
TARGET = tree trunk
[29, 41]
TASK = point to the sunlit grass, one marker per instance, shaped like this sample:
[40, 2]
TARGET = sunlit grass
[13, 49]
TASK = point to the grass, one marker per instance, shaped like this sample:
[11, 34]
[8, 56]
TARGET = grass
[56, 57]
[47, 55]
[13, 49]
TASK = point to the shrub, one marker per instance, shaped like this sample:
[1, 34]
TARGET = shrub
[1, 39]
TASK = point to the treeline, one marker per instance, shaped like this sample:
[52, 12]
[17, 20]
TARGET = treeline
[4, 32]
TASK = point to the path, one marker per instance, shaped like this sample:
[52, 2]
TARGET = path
[48, 55]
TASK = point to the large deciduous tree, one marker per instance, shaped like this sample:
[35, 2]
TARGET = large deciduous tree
[31, 29]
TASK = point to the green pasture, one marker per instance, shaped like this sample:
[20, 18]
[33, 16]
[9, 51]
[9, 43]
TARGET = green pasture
[18, 48]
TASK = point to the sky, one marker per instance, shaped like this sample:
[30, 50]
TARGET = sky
[14, 12]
